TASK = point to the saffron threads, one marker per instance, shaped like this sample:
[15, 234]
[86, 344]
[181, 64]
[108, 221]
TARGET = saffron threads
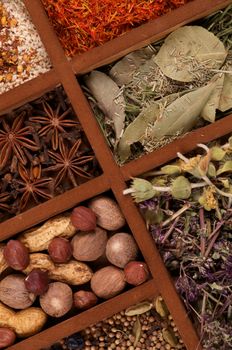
[85, 24]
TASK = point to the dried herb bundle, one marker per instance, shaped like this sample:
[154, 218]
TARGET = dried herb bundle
[43, 152]
[163, 91]
[187, 208]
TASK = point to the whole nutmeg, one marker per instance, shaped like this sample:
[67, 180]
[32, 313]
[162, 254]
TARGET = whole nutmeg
[60, 250]
[58, 300]
[16, 255]
[83, 219]
[7, 337]
[13, 292]
[136, 272]
[84, 299]
[89, 246]
[120, 249]
[37, 281]
[109, 215]
[108, 282]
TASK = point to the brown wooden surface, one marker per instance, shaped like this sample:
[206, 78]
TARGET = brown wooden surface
[113, 177]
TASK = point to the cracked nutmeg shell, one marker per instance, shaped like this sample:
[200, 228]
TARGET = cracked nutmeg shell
[16, 255]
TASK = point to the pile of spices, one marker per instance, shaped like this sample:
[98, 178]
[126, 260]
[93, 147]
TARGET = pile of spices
[142, 101]
[187, 208]
[43, 153]
[90, 23]
[139, 327]
[23, 56]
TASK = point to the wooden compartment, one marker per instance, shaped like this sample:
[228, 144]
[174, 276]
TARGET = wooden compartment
[113, 177]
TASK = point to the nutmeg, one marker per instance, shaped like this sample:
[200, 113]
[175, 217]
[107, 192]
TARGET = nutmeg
[136, 272]
[16, 255]
[83, 219]
[58, 300]
[13, 292]
[89, 246]
[84, 299]
[60, 250]
[108, 282]
[37, 281]
[7, 337]
[109, 215]
[121, 248]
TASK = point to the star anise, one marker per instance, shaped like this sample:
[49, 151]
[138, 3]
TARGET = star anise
[31, 185]
[69, 163]
[13, 139]
[53, 123]
[4, 198]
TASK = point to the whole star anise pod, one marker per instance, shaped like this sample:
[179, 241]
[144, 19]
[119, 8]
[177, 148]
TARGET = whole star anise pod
[13, 139]
[53, 124]
[31, 185]
[69, 163]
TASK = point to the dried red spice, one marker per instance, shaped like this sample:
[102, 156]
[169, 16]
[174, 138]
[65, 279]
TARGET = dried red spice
[82, 25]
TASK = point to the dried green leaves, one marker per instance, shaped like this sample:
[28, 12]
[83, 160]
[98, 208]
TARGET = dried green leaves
[167, 117]
[186, 50]
[109, 97]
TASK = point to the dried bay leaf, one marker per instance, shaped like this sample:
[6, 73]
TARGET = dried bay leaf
[122, 72]
[139, 309]
[217, 153]
[109, 97]
[137, 331]
[181, 115]
[186, 45]
[209, 111]
[226, 95]
[226, 167]
[136, 130]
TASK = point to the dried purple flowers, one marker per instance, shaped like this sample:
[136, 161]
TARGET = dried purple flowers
[187, 208]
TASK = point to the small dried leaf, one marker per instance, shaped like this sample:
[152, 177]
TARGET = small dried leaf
[171, 170]
[161, 307]
[153, 217]
[122, 71]
[169, 336]
[181, 115]
[225, 182]
[226, 95]
[137, 331]
[181, 188]
[109, 98]
[204, 164]
[212, 172]
[226, 167]
[143, 190]
[217, 153]
[186, 45]
[137, 129]
[209, 111]
[139, 309]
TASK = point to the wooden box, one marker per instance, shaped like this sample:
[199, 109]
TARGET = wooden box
[114, 177]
